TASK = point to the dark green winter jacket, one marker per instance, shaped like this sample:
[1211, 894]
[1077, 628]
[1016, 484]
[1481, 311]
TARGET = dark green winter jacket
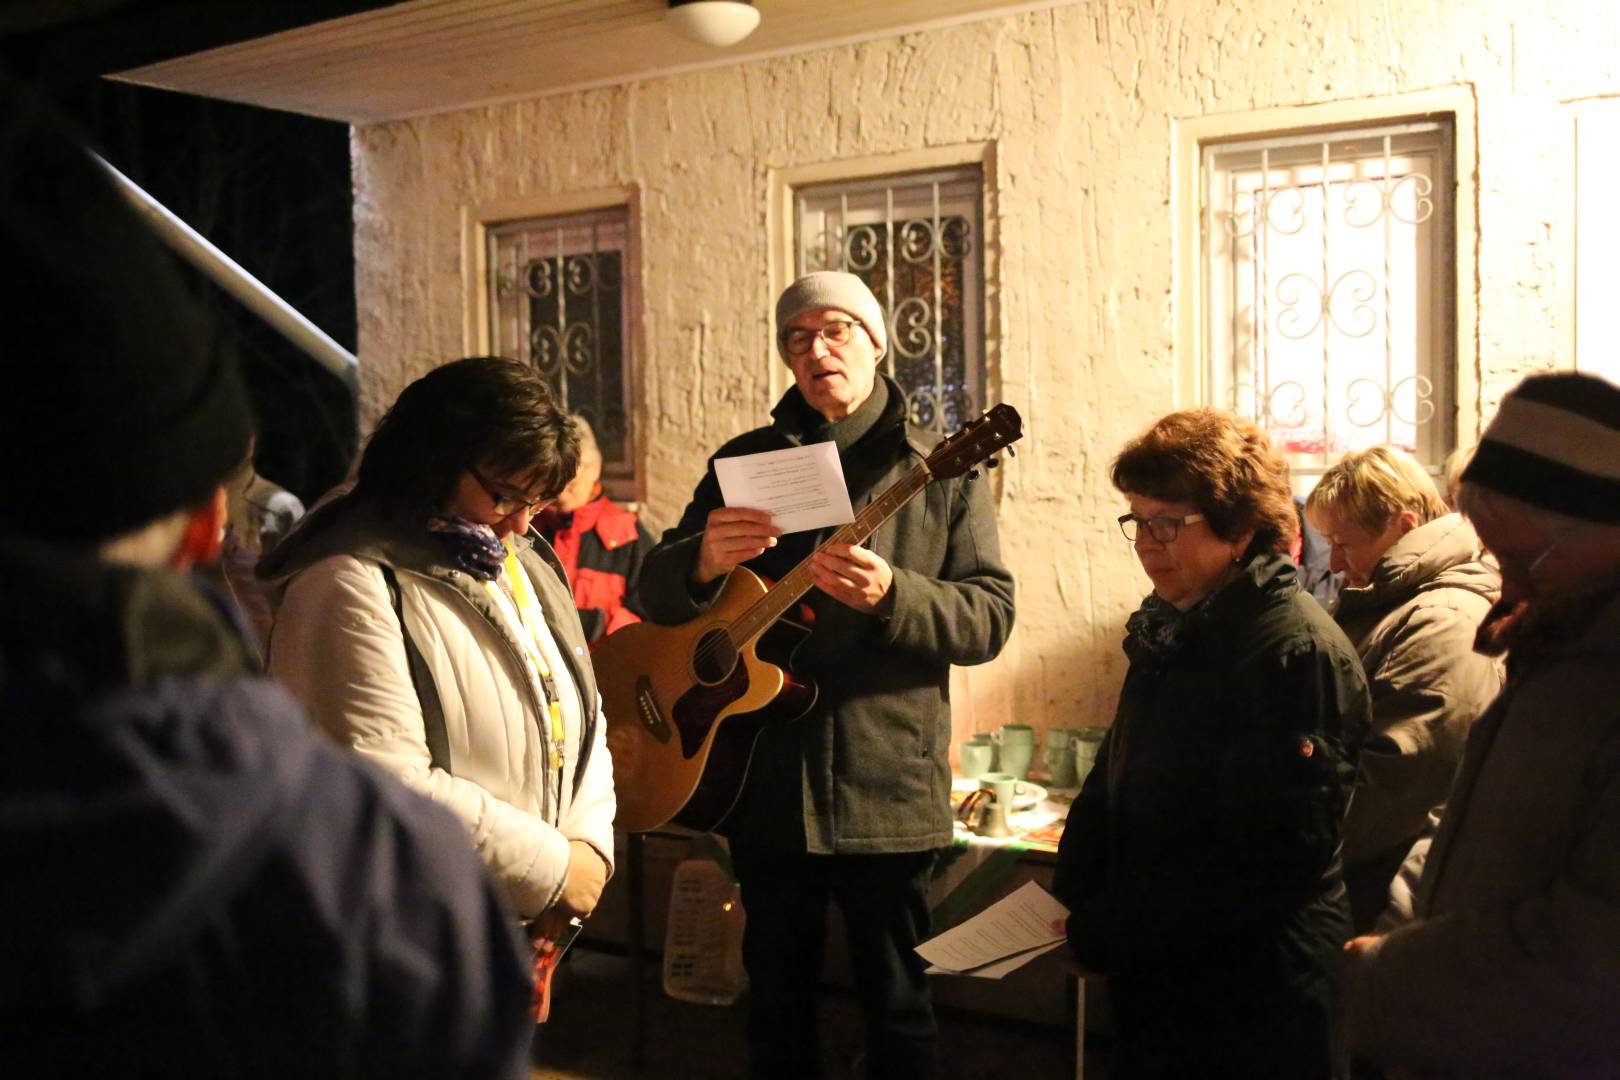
[1201, 860]
[867, 769]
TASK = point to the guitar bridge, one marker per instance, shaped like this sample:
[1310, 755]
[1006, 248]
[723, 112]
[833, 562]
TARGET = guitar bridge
[647, 711]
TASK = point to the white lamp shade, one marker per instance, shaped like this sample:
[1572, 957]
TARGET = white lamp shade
[720, 23]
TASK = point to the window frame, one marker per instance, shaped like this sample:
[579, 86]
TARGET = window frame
[1589, 261]
[1191, 137]
[626, 483]
[784, 184]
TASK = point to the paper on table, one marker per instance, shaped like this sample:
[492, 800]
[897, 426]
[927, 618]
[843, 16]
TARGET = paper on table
[1001, 938]
[801, 487]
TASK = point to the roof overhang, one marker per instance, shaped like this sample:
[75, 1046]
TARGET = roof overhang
[432, 56]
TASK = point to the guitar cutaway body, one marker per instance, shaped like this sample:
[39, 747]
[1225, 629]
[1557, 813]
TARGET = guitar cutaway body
[683, 710]
[732, 747]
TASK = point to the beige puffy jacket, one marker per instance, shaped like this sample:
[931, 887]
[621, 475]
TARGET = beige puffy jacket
[1413, 626]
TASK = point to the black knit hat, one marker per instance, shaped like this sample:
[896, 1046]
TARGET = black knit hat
[1555, 443]
[118, 403]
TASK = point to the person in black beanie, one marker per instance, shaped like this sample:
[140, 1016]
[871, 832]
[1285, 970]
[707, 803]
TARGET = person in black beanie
[1510, 963]
[196, 885]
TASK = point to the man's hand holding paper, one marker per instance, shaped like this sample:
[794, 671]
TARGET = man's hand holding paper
[733, 535]
[783, 491]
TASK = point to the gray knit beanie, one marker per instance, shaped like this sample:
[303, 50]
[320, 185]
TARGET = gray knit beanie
[831, 289]
[1555, 443]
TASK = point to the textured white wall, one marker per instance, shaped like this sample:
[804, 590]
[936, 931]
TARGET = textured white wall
[1079, 102]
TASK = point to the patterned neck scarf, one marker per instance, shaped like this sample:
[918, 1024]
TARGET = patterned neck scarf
[1158, 626]
[473, 547]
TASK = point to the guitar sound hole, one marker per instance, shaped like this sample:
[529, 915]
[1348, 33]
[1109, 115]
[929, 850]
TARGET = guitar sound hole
[713, 658]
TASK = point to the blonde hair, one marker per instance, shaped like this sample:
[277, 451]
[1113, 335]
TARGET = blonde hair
[1451, 472]
[1369, 487]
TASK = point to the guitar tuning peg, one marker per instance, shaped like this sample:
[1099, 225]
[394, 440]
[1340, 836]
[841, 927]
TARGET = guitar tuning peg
[992, 463]
[1011, 452]
[973, 474]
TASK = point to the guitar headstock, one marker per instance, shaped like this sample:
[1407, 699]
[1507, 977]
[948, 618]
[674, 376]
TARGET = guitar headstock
[977, 442]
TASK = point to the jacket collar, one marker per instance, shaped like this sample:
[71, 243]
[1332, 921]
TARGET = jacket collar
[613, 525]
[1587, 624]
[1442, 552]
[109, 623]
[1154, 630]
[351, 525]
[882, 412]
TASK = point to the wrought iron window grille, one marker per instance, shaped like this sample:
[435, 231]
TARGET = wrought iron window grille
[559, 301]
[1328, 289]
[915, 239]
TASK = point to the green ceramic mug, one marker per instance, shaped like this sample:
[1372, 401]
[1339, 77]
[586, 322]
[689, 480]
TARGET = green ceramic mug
[1004, 787]
[1017, 742]
[977, 756]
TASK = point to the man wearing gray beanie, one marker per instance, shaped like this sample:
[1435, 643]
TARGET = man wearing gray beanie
[848, 803]
[1509, 964]
[196, 885]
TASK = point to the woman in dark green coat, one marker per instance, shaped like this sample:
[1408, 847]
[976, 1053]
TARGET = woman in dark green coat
[1201, 861]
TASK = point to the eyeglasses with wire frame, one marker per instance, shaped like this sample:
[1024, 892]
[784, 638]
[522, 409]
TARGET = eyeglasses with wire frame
[1163, 529]
[798, 340]
[505, 503]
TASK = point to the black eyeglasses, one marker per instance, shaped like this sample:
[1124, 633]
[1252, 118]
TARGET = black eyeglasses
[504, 503]
[798, 340]
[1162, 529]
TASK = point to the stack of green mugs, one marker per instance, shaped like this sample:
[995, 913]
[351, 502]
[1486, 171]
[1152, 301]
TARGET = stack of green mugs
[977, 756]
[1058, 754]
[1016, 749]
[1086, 742]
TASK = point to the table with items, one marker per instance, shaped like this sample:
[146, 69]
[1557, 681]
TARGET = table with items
[701, 960]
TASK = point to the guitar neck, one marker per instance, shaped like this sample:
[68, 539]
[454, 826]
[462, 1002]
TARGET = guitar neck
[780, 598]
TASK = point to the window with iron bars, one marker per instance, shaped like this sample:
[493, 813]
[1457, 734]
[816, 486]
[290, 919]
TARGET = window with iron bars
[1328, 288]
[559, 301]
[916, 240]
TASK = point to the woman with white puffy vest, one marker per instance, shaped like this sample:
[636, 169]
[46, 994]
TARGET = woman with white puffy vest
[427, 628]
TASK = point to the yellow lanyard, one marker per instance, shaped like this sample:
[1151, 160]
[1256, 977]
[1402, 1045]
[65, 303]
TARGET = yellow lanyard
[534, 625]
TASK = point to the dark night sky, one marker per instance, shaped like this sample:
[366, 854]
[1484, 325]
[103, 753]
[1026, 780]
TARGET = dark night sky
[271, 189]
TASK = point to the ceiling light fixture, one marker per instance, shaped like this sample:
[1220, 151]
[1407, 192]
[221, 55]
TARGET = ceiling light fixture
[720, 23]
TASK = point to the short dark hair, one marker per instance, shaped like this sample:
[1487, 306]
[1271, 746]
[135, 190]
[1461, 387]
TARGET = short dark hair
[484, 412]
[1222, 464]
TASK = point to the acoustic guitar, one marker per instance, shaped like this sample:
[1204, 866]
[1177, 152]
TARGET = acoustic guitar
[684, 704]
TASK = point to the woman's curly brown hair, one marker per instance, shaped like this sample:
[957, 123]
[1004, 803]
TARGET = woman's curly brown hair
[1222, 464]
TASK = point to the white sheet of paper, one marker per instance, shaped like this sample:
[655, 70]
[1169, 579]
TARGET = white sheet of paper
[801, 487]
[1000, 968]
[1018, 927]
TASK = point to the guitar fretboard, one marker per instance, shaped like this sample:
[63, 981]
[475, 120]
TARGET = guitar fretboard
[781, 597]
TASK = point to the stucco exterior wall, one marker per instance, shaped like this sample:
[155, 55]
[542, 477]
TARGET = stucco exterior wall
[1079, 102]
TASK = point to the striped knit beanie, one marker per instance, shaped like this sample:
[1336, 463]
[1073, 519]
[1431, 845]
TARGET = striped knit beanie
[1555, 443]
